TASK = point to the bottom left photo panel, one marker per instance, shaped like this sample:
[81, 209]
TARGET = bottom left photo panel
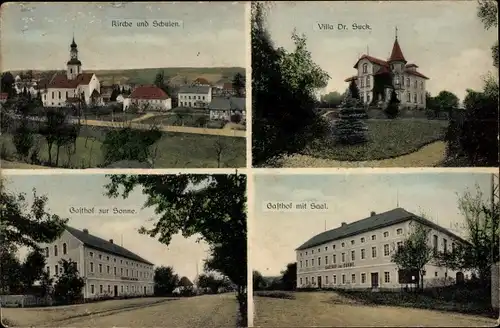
[101, 250]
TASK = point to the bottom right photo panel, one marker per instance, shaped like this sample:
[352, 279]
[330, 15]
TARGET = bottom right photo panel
[376, 249]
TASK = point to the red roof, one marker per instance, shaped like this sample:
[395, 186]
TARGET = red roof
[60, 81]
[372, 60]
[4, 95]
[148, 92]
[411, 72]
[227, 86]
[411, 65]
[201, 80]
[396, 54]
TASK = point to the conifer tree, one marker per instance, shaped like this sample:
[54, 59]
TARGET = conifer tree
[392, 109]
[350, 129]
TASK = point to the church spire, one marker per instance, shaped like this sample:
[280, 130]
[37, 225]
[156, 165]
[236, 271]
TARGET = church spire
[396, 54]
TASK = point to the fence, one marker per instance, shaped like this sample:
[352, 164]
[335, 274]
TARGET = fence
[23, 301]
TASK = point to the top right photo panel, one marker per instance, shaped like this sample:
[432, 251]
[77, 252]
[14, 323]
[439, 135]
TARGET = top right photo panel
[375, 84]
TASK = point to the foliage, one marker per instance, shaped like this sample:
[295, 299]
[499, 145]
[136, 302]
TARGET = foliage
[23, 139]
[487, 12]
[289, 276]
[185, 282]
[69, 285]
[332, 99]
[283, 101]
[258, 281]
[392, 109]
[55, 130]
[445, 101]
[211, 282]
[165, 280]
[32, 268]
[238, 84]
[10, 271]
[7, 83]
[415, 251]
[350, 129]
[236, 118]
[25, 225]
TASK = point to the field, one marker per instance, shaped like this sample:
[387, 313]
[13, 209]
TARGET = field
[305, 309]
[209, 311]
[387, 139]
[175, 150]
[191, 119]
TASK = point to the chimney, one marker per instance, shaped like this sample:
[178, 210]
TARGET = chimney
[372, 213]
[343, 224]
[111, 241]
[85, 231]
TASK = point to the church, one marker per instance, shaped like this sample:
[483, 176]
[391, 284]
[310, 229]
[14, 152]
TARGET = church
[377, 78]
[66, 88]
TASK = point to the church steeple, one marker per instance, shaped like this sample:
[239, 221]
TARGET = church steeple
[74, 65]
[396, 54]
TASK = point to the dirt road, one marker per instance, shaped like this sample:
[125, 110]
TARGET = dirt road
[330, 309]
[205, 311]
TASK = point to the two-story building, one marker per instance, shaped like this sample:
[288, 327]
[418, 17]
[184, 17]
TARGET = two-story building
[107, 268]
[377, 78]
[194, 96]
[358, 254]
[148, 98]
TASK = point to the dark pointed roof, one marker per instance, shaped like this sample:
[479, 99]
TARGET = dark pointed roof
[396, 54]
[105, 245]
[377, 221]
[73, 44]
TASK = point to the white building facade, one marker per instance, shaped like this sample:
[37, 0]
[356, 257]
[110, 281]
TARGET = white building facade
[148, 98]
[195, 96]
[107, 269]
[358, 255]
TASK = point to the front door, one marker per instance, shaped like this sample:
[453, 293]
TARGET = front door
[145, 293]
[374, 279]
[115, 291]
[319, 281]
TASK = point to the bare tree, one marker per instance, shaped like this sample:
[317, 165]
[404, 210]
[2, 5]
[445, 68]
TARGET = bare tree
[219, 149]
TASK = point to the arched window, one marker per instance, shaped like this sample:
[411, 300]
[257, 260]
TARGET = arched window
[365, 68]
[65, 250]
[55, 250]
[408, 81]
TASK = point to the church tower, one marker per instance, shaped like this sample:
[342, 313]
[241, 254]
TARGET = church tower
[74, 66]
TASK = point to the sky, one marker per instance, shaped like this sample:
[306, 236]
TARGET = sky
[348, 198]
[77, 191]
[38, 35]
[444, 38]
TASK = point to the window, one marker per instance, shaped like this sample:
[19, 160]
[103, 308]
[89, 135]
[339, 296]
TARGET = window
[114, 270]
[319, 261]
[326, 248]
[326, 260]
[127, 273]
[362, 83]
[374, 252]
[362, 239]
[71, 71]
[365, 68]
[452, 247]
[326, 280]
[100, 289]
[312, 262]
[121, 289]
[312, 280]
[65, 250]
[415, 98]
[343, 279]
[114, 260]
[363, 278]
[91, 254]
[334, 259]
[107, 258]
[48, 270]
[386, 250]
[307, 263]
[56, 269]
[107, 269]
[67, 95]
[408, 81]
[334, 279]
[399, 231]
[55, 250]
[387, 277]
[307, 280]
[435, 274]
[312, 251]
[396, 79]
[435, 243]
[343, 257]
[121, 271]
[353, 278]
[100, 268]
[319, 250]
[127, 289]
[46, 251]
[100, 257]
[421, 98]
[408, 97]
[367, 81]
[300, 254]
[91, 267]
[121, 261]
[415, 84]
[300, 281]
[92, 291]
[353, 255]
[343, 245]
[399, 244]
[422, 85]
[333, 246]
[352, 242]
[362, 253]
[445, 245]
[374, 237]
[59, 94]
[386, 234]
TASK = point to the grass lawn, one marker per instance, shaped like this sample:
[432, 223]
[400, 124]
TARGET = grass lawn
[387, 139]
[173, 119]
[117, 117]
[175, 150]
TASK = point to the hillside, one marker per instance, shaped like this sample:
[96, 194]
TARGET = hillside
[178, 75]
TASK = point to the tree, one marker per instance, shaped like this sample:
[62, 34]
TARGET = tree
[289, 276]
[392, 109]
[258, 281]
[350, 129]
[10, 271]
[445, 101]
[53, 128]
[236, 118]
[23, 139]
[487, 11]
[482, 228]
[32, 268]
[415, 251]
[332, 99]
[165, 280]
[27, 225]
[211, 282]
[7, 84]
[239, 84]
[210, 206]
[283, 100]
[69, 285]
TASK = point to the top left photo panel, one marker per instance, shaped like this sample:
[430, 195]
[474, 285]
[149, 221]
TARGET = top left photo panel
[123, 85]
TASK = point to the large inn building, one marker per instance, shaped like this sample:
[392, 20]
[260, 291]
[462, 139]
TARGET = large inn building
[358, 254]
[107, 268]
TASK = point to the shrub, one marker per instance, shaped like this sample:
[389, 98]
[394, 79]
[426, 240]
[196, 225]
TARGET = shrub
[275, 294]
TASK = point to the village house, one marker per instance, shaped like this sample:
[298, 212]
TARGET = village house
[222, 108]
[194, 96]
[148, 98]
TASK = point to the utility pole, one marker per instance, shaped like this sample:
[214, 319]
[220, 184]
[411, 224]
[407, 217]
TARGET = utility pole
[495, 200]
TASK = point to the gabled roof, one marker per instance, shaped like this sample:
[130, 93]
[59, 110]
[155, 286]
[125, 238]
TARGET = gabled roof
[396, 54]
[104, 245]
[371, 59]
[148, 92]
[412, 72]
[198, 89]
[60, 81]
[227, 103]
[377, 221]
[201, 80]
